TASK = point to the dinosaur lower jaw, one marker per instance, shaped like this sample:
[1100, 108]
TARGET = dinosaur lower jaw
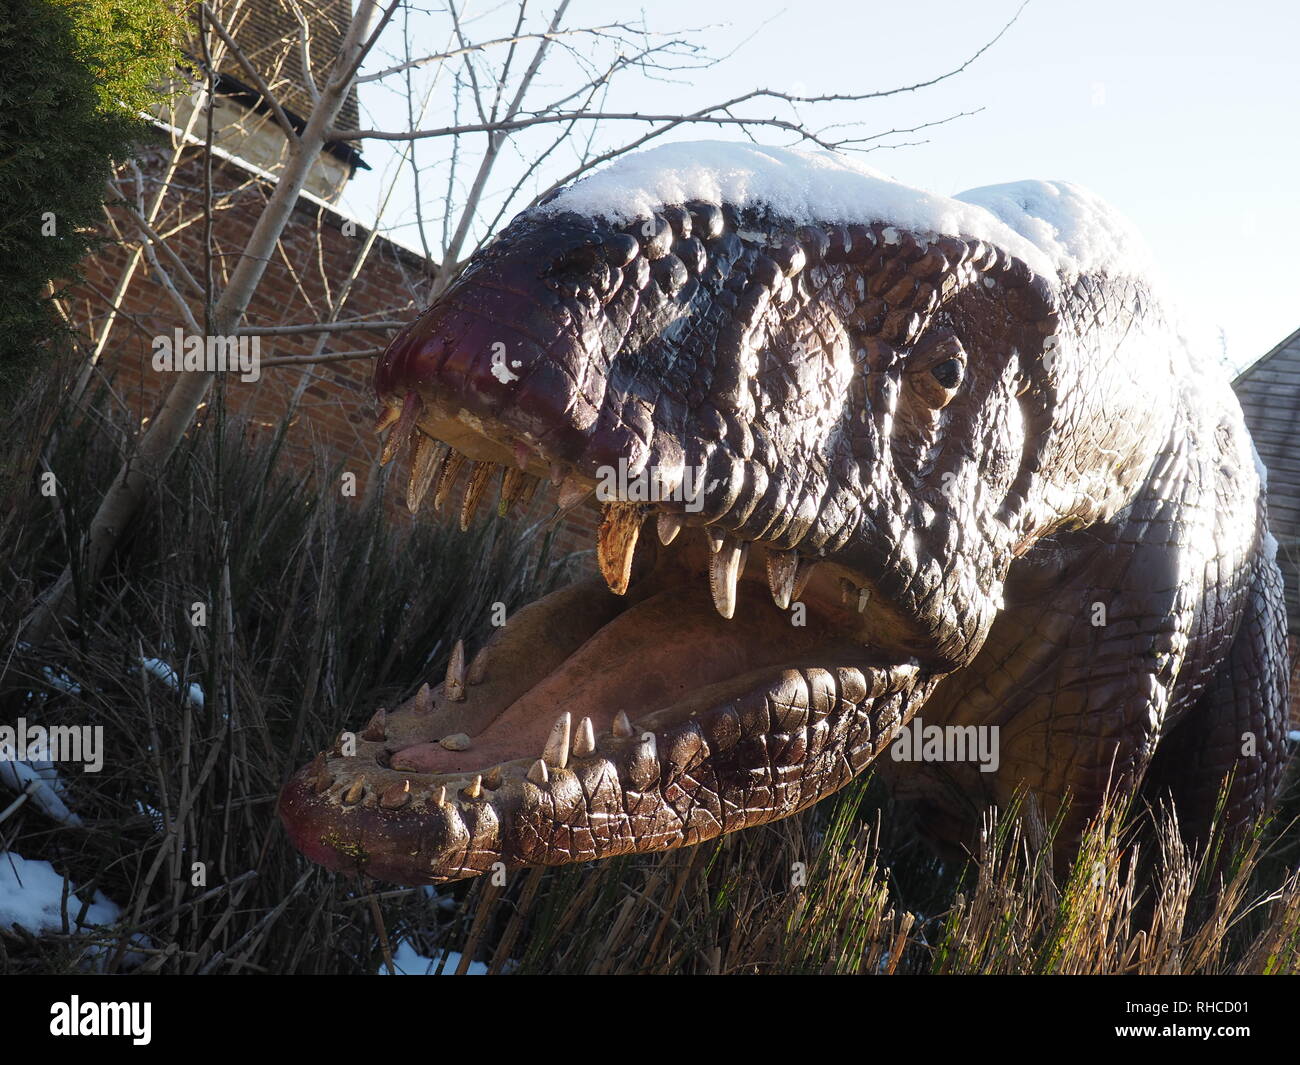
[595, 724]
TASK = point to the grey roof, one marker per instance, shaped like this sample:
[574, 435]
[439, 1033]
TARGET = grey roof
[1269, 392]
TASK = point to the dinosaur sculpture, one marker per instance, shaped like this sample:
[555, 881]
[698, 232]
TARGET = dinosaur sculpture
[905, 456]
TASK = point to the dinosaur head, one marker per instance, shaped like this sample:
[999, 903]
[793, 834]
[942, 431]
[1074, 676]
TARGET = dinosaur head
[815, 431]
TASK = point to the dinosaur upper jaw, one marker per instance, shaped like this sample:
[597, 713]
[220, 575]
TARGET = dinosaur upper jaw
[593, 725]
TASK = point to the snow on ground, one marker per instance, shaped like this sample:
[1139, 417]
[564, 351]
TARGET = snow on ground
[409, 962]
[1055, 227]
[31, 895]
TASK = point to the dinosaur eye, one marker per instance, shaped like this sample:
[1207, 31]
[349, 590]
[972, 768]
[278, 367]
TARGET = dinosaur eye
[948, 373]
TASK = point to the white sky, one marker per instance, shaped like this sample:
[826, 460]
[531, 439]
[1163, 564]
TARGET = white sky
[1182, 115]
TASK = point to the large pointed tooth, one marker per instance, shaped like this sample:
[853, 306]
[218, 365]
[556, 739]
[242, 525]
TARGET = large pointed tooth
[616, 543]
[388, 416]
[424, 699]
[530, 487]
[376, 730]
[401, 433]
[474, 790]
[781, 569]
[522, 454]
[454, 686]
[478, 482]
[715, 538]
[539, 774]
[493, 777]
[426, 462]
[556, 751]
[724, 569]
[584, 743]
[451, 468]
[573, 492]
[622, 726]
[643, 762]
[354, 792]
[441, 796]
[557, 474]
[805, 570]
[478, 667]
[513, 482]
[668, 526]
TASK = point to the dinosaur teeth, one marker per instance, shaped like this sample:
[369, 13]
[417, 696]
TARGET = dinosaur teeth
[573, 492]
[478, 667]
[376, 730]
[411, 407]
[441, 796]
[781, 569]
[319, 778]
[669, 525]
[539, 774]
[622, 726]
[474, 790]
[424, 699]
[512, 488]
[522, 455]
[354, 792]
[388, 416]
[478, 481]
[557, 474]
[493, 777]
[616, 544]
[454, 686]
[457, 741]
[805, 570]
[643, 763]
[395, 796]
[724, 568]
[584, 743]
[556, 751]
[715, 538]
[427, 460]
[447, 479]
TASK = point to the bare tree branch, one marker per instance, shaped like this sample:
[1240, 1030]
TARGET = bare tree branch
[254, 75]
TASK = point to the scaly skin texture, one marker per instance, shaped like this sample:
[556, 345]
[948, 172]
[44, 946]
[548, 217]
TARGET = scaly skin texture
[995, 498]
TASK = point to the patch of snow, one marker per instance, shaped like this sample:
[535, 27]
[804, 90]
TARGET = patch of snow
[407, 961]
[31, 896]
[168, 675]
[1055, 227]
[1075, 228]
[61, 681]
[41, 781]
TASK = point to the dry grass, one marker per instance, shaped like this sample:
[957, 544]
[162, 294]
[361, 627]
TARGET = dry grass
[319, 610]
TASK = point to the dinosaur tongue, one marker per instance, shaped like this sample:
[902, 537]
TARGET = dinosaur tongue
[650, 657]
